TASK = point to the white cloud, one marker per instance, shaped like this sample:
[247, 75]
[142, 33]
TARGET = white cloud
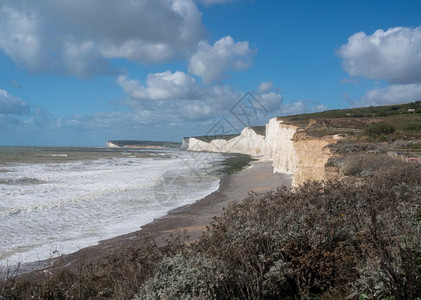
[300, 107]
[161, 86]
[210, 62]
[265, 86]
[211, 2]
[12, 105]
[393, 55]
[393, 94]
[176, 97]
[349, 80]
[78, 37]
[271, 101]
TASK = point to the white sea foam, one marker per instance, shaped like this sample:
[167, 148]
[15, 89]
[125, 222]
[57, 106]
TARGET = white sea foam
[52, 208]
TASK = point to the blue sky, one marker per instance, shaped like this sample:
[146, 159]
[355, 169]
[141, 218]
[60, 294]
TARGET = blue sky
[81, 72]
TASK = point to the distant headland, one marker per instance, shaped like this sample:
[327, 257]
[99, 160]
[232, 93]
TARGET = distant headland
[136, 144]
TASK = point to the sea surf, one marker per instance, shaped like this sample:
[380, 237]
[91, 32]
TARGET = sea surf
[54, 201]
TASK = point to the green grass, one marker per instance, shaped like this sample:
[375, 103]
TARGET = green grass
[209, 138]
[362, 112]
[261, 130]
[358, 121]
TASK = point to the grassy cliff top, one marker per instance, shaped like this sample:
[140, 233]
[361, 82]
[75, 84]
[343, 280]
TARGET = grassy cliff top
[403, 117]
[362, 112]
[209, 138]
[261, 130]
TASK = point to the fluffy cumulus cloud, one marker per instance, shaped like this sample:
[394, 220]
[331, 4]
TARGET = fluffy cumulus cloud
[265, 86]
[211, 62]
[161, 86]
[269, 97]
[300, 107]
[176, 96]
[393, 55]
[10, 105]
[211, 2]
[393, 94]
[78, 37]
[271, 100]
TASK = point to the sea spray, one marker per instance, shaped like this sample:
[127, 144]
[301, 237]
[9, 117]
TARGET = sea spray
[61, 204]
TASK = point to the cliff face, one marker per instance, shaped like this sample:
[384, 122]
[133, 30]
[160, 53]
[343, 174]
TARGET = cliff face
[248, 142]
[185, 143]
[290, 151]
[112, 145]
[280, 146]
[311, 155]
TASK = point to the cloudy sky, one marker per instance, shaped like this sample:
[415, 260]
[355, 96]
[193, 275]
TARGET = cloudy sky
[81, 72]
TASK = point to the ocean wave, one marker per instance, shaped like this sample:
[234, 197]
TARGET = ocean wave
[85, 201]
[22, 181]
[53, 155]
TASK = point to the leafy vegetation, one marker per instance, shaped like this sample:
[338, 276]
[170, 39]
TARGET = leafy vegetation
[355, 238]
[378, 129]
[331, 240]
[364, 112]
[381, 123]
[412, 127]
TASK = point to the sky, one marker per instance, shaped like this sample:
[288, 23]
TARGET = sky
[81, 72]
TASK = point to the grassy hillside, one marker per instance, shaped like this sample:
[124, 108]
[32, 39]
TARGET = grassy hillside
[405, 118]
[402, 120]
[363, 112]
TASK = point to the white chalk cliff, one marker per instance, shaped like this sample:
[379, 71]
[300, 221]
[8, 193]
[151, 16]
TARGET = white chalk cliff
[291, 151]
[248, 142]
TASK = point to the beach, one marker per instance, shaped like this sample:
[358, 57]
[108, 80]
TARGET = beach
[191, 219]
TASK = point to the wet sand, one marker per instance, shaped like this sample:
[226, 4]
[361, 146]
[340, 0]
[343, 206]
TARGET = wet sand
[191, 218]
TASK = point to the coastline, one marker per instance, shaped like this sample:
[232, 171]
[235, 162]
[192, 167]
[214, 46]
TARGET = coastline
[192, 218]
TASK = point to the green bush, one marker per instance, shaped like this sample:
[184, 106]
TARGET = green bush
[378, 129]
[412, 127]
[360, 164]
[186, 277]
[332, 239]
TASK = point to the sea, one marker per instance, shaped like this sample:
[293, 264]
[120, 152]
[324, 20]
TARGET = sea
[55, 201]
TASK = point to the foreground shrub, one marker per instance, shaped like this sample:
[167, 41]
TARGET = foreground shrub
[117, 276]
[360, 164]
[336, 239]
[186, 277]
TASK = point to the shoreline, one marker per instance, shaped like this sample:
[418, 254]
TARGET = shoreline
[192, 218]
